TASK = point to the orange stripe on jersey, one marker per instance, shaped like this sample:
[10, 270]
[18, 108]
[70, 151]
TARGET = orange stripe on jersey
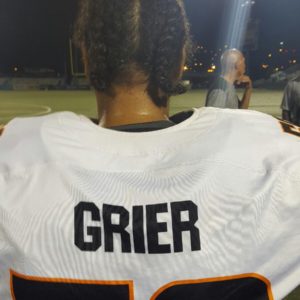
[216, 279]
[289, 128]
[75, 281]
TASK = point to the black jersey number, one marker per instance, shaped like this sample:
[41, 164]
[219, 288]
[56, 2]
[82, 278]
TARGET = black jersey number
[35, 288]
[246, 287]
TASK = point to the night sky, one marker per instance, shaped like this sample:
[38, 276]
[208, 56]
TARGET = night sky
[34, 33]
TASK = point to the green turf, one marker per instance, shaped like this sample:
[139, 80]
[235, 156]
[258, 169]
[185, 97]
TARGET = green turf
[294, 295]
[19, 103]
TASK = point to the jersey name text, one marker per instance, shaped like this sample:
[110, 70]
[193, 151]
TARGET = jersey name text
[113, 221]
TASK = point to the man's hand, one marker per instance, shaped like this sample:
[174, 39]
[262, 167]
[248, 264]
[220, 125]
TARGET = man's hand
[245, 81]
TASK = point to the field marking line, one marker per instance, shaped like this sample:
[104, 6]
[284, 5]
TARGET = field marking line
[43, 109]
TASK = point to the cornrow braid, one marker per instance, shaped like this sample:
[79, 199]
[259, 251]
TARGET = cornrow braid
[172, 35]
[121, 37]
[108, 31]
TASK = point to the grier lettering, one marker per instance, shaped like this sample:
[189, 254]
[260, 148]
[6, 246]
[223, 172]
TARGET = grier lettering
[138, 230]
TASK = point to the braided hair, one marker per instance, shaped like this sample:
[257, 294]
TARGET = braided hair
[125, 37]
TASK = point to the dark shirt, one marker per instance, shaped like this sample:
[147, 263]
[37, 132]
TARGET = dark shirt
[291, 100]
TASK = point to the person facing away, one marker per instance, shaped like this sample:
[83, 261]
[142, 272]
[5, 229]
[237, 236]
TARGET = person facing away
[222, 92]
[291, 102]
[203, 205]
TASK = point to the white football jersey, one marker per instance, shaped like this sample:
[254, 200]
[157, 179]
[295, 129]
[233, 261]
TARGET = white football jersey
[206, 209]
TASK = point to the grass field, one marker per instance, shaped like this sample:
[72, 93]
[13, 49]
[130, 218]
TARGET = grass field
[19, 103]
[34, 103]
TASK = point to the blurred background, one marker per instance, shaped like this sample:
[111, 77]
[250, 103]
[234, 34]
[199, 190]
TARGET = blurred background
[41, 71]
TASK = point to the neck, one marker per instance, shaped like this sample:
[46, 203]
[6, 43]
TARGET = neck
[230, 77]
[128, 105]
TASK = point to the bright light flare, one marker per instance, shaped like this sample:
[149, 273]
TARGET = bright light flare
[235, 22]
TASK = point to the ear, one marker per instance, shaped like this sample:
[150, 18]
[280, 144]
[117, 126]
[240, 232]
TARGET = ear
[236, 65]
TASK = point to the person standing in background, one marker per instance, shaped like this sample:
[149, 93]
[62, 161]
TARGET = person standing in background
[291, 102]
[222, 93]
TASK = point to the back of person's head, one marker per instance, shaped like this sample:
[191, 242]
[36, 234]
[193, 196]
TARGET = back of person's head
[128, 41]
[229, 60]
